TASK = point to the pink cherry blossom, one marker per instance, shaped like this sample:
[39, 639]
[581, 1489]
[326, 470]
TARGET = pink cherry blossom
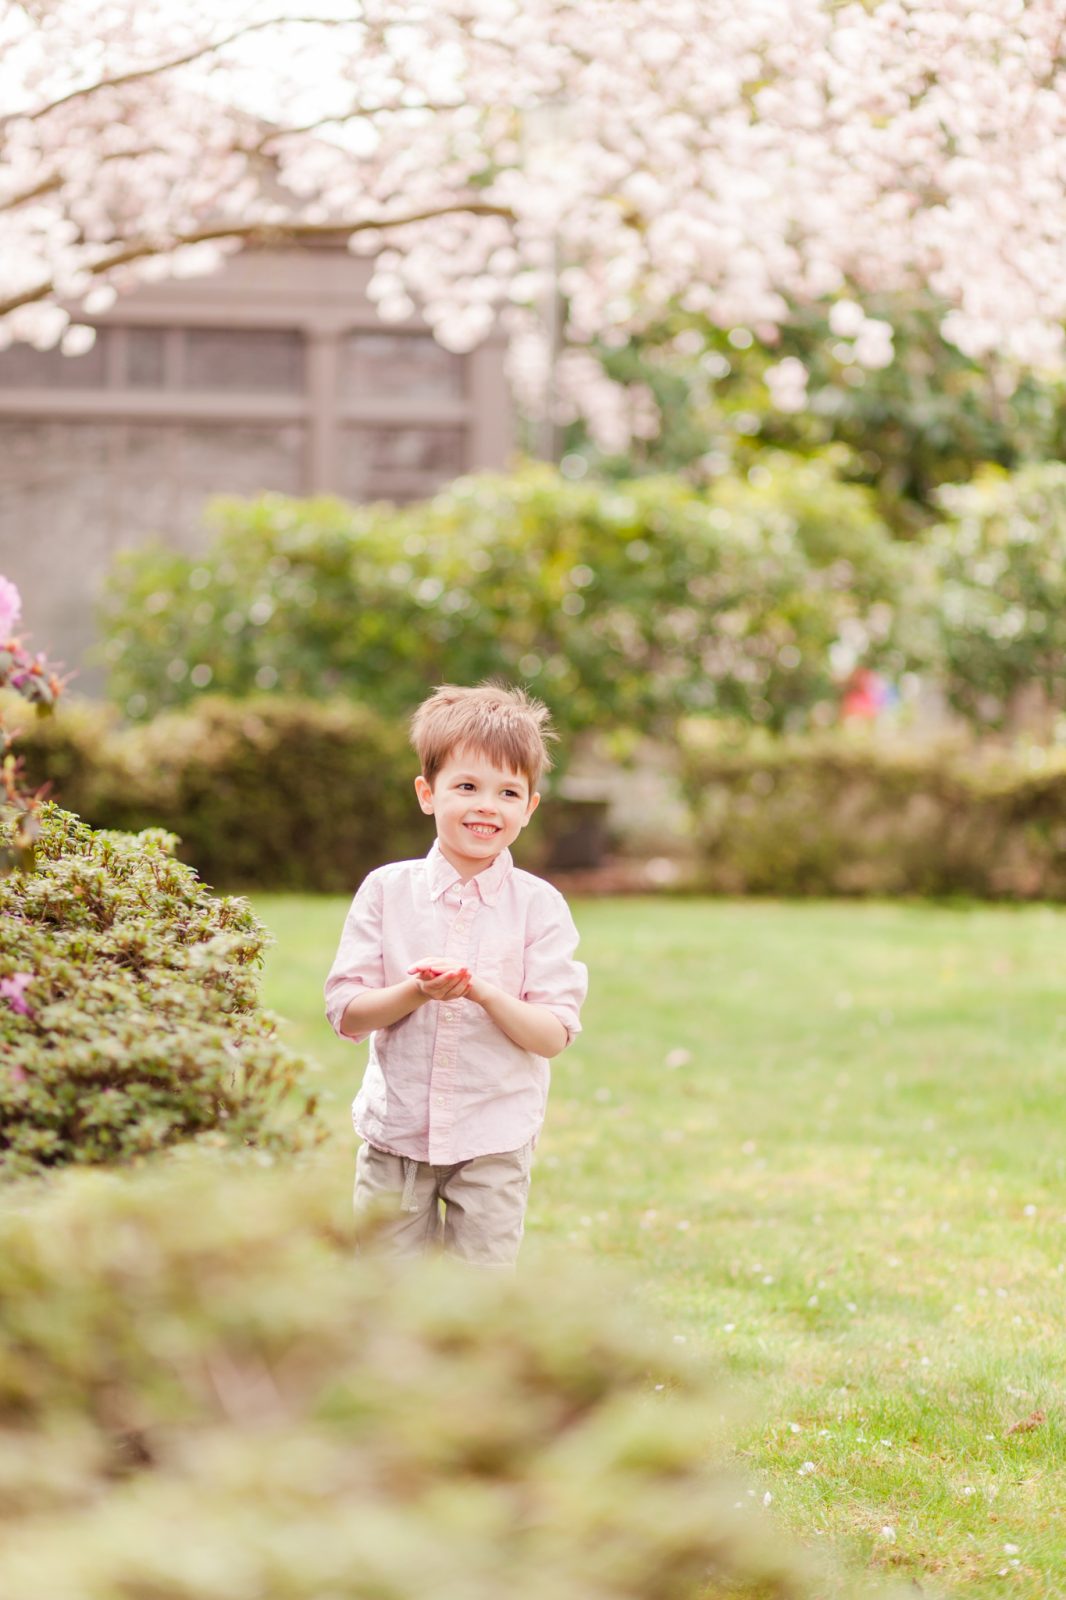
[638, 154]
[13, 990]
[10, 608]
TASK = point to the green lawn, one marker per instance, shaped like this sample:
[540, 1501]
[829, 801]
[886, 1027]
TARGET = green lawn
[827, 1141]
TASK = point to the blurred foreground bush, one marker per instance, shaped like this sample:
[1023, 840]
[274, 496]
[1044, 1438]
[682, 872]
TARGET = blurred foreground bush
[264, 793]
[844, 814]
[619, 605]
[128, 1006]
[204, 1396]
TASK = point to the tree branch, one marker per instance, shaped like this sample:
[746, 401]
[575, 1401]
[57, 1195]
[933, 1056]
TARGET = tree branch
[46, 186]
[341, 117]
[257, 233]
[55, 180]
[139, 74]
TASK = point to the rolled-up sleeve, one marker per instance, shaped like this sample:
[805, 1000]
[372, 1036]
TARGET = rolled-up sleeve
[359, 963]
[553, 978]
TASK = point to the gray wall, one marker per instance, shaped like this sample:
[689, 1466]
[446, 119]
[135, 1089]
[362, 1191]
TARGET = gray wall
[272, 374]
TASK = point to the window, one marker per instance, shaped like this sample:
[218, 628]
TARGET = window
[227, 360]
[438, 451]
[23, 367]
[402, 365]
[144, 364]
[249, 360]
[399, 463]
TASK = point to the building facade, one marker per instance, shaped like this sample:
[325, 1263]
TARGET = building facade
[273, 374]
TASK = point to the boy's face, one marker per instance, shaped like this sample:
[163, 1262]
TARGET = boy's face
[479, 808]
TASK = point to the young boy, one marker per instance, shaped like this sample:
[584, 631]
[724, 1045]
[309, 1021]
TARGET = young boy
[460, 968]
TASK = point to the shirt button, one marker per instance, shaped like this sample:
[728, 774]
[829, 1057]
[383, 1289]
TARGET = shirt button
[448, 1015]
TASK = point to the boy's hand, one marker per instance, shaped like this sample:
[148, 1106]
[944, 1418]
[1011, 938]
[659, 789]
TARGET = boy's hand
[440, 980]
[478, 991]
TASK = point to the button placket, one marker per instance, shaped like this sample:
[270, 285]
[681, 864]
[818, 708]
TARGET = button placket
[445, 1045]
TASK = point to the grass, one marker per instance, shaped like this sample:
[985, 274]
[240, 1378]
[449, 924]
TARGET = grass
[826, 1141]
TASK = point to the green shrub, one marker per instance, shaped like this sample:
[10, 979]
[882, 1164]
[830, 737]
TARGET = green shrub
[291, 794]
[620, 606]
[844, 814]
[68, 750]
[204, 1396]
[1001, 559]
[128, 1010]
[265, 792]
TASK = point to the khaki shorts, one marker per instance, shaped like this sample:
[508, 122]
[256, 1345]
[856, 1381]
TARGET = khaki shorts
[475, 1209]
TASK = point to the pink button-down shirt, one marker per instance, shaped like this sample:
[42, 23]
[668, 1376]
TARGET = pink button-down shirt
[445, 1084]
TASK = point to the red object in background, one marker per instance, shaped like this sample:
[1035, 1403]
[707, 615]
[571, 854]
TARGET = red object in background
[865, 695]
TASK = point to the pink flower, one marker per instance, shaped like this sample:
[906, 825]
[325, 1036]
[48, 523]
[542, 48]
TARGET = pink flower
[13, 990]
[10, 606]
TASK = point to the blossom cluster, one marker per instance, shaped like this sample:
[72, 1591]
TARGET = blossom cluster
[13, 990]
[32, 678]
[29, 675]
[630, 154]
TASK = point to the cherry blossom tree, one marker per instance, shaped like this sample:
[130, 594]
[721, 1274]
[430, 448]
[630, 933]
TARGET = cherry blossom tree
[733, 160]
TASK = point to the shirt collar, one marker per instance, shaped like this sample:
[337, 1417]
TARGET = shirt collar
[442, 875]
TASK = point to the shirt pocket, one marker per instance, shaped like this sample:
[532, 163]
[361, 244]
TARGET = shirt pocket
[503, 962]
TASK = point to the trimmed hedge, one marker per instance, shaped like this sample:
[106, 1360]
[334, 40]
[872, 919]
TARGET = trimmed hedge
[293, 795]
[268, 793]
[129, 1012]
[203, 1396]
[844, 814]
[264, 793]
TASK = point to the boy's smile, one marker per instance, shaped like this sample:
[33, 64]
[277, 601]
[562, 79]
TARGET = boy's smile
[479, 809]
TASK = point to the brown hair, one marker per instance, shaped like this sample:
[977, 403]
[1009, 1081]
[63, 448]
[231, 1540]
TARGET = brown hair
[506, 725]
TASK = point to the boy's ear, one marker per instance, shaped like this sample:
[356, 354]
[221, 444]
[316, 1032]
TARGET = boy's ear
[424, 791]
[534, 802]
